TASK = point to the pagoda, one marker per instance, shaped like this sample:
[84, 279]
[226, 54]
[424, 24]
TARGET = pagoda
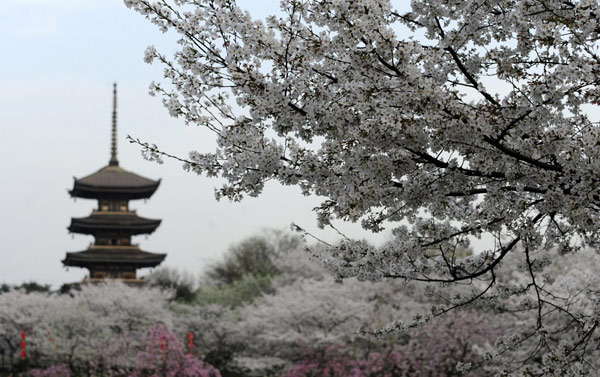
[112, 255]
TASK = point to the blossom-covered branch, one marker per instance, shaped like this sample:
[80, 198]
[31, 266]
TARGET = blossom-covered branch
[452, 121]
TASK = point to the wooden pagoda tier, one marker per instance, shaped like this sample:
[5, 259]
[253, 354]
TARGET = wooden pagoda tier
[116, 261]
[112, 224]
[103, 222]
[103, 257]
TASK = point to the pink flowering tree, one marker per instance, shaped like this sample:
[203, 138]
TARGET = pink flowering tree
[328, 363]
[448, 347]
[443, 121]
[452, 346]
[165, 356]
[60, 370]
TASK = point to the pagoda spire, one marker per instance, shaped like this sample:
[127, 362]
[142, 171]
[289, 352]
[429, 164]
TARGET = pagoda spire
[113, 224]
[113, 147]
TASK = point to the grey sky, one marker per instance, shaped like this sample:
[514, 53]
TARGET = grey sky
[59, 60]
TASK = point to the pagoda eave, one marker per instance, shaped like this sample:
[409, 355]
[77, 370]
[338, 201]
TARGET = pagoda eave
[131, 224]
[126, 257]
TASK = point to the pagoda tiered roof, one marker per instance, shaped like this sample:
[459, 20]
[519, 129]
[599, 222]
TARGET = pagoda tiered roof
[126, 256]
[113, 221]
[114, 181]
[112, 256]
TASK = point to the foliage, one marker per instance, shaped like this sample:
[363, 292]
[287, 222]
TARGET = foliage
[68, 287]
[253, 256]
[247, 269]
[19, 312]
[241, 291]
[170, 279]
[164, 356]
[32, 286]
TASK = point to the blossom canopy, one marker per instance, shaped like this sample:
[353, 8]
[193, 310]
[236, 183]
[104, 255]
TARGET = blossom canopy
[454, 120]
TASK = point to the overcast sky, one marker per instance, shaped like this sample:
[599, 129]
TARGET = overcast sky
[59, 60]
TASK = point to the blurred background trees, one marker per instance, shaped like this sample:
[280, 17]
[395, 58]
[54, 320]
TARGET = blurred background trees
[283, 317]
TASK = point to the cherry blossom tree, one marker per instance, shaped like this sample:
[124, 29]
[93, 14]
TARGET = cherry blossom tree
[217, 335]
[102, 325]
[164, 355]
[305, 308]
[557, 348]
[444, 122]
[441, 349]
[308, 309]
[18, 312]
[98, 327]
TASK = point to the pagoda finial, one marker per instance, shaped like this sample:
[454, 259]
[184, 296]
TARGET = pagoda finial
[113, 147]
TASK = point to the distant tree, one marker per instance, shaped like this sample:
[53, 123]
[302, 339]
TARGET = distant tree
[252, 256]
[68, 287]
[318, 313]
[32, 286]
[247, 269]
[182, 284]
[440, 347]
[240, 292]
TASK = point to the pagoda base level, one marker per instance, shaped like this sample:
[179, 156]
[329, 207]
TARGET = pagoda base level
[101, 274]
[135, 282]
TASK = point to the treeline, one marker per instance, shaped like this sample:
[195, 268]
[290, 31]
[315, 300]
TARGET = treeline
[265, 310]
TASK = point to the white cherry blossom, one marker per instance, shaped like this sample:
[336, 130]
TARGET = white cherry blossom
[458, 119]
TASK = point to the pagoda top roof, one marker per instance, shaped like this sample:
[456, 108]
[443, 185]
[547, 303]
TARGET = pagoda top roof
[112, 180]
[122, 255]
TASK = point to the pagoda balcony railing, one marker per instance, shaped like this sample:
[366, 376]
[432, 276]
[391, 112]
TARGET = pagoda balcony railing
[130, 246]
[139, 280]
[99, 212]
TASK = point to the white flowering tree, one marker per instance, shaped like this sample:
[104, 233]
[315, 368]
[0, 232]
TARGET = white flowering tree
[310, 314]
[19, 312]
[453, 120]
[561, 347]
[99, 327]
